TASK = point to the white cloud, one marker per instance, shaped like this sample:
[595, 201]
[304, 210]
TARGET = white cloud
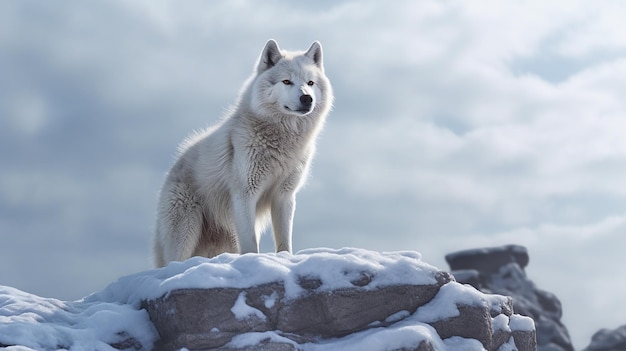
[594, 30]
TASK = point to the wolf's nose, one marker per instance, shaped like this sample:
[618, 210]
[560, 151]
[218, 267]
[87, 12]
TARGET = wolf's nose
[306, 100]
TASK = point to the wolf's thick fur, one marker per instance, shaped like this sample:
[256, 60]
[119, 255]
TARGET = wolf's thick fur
[231, 179]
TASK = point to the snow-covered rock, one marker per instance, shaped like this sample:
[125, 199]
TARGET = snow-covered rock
[29, 322]
[608, 340]
[500, 270]
[322, 299]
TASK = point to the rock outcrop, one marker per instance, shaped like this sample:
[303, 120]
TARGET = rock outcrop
[608, 340]
[318, 299]
[500, 270]
[412, 307]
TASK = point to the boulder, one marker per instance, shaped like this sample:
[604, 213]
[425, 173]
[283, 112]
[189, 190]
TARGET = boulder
[209, 318]
[608, 340]
[430, 309]
[500, 270]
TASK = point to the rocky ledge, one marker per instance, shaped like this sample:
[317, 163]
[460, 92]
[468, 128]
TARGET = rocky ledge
[332, 300]
[608, 340]
[500, 270]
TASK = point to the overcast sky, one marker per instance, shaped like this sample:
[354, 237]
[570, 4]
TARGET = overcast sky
[456, 125]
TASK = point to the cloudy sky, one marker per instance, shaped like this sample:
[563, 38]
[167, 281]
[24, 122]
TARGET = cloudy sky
[455, 126]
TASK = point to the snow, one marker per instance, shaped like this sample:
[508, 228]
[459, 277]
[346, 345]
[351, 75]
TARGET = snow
[113, 315]
[444, 304]
[242, 311]
[270, 301]
[524, 323]
[398, 336]
[336, 268]
[501, 322]
[37, 323]
[398, 316]
[508, 346]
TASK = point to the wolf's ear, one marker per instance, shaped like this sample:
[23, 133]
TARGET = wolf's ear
[270, 56]
[315, 53]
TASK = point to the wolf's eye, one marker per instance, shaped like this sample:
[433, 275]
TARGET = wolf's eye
[287, 82]
[310, 83]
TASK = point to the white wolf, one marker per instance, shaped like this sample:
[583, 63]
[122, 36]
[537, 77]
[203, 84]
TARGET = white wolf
[231, 179]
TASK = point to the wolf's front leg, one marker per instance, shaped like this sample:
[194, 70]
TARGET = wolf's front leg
[244, 208]
[283, 209]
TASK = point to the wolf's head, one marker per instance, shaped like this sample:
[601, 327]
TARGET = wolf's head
[290, 83]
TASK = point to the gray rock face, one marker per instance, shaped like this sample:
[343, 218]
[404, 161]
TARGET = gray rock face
[500, 270]
[608, 340]
[204, 318]
[213, 318]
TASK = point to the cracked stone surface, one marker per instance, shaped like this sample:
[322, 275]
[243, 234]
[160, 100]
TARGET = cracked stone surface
[213, 318]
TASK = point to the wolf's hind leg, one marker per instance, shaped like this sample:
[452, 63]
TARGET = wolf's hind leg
[182, 219]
